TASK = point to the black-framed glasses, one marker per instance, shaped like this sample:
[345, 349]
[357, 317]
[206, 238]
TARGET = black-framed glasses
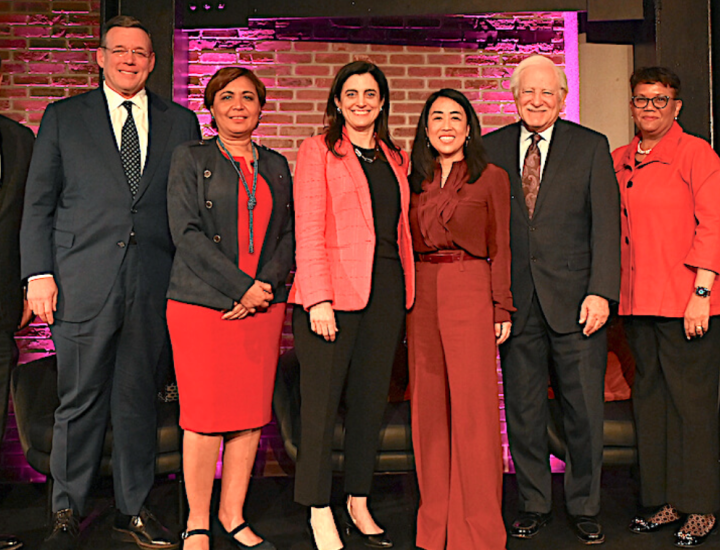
[123, 52]
[659, 102]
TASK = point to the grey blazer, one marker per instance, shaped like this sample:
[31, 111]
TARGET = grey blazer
[571, 246]
[79, 211]
[202, 205]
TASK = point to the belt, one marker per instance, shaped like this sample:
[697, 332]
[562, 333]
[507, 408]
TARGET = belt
[445, 257]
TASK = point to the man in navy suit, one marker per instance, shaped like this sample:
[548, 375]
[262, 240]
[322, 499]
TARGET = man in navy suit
[96, 251]
[565, 240]
[16, 144]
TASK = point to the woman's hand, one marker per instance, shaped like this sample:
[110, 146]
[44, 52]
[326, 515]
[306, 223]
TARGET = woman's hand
[697, 317]
[239, 311]
[258, 296]
[322, 321]
[502, 331]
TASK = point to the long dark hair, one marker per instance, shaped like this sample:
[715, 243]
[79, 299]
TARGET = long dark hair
[334, 120]
[424, 155]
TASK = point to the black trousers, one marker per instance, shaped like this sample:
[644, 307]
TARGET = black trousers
[360, 360]
[107, 365]
[8, 359]
[577, 365]
[675, 400]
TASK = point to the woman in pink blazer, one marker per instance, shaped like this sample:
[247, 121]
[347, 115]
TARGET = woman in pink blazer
[354, 280]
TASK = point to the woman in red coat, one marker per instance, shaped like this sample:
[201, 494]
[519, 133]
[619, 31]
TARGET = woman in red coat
[670, 199]
[460, 223]
[353, 282]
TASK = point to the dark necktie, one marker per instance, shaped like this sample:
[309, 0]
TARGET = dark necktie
[130, 150]
[531, 174]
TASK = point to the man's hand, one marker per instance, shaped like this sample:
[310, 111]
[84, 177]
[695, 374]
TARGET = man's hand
[27, 315]
[42, 296]
[594, 313]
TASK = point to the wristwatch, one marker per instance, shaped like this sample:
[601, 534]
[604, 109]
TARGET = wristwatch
[702, 292]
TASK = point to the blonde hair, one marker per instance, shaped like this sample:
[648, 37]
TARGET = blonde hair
[534, 61]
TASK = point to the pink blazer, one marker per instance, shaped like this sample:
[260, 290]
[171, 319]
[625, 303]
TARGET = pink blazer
[334, 231]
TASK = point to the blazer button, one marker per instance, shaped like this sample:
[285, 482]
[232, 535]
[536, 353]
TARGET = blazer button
[627, 241]
[217, 238]
[207, 174]
[121, 244]
[532, 228]
[533, 258]
[629, 184]
[208, 204]
[133, 210]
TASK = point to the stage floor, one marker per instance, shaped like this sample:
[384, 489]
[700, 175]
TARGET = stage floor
[273, 513]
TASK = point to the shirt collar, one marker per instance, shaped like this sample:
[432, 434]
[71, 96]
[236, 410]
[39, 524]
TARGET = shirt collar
[115, 100]
[663, 152]
[525, 134]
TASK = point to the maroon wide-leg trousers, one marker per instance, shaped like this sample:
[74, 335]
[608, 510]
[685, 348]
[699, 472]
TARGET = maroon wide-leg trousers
[455, 416]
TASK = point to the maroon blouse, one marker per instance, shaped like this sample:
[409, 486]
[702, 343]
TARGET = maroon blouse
[471, 217]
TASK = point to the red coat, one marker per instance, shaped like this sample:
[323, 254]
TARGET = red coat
[334, 230]
[670, 223]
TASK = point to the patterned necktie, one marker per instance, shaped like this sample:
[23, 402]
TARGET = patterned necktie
[531, 174]
[130, 150]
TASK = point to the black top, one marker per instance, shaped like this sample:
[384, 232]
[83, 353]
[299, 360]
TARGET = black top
[385, 195]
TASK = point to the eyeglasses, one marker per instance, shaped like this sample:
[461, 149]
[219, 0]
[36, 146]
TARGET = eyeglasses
[659, 102]
[122, 52]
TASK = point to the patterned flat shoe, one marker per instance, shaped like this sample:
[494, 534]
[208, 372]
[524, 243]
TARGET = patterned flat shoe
[695, 530]
[665, 515]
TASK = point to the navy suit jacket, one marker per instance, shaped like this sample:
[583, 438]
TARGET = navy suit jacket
[571, 246]
[16, 144]
[79, 211]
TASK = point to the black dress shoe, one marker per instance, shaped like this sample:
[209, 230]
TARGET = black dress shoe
[65, 532]
[378, 540]
[588, 530]
[144, 530]
[527, 524]
[10, 542]
[684, 539]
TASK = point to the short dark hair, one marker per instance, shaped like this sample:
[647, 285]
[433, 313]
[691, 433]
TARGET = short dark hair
[225, 76]
[334, 120]
[124, 21]
[424, 155]
[654, 75]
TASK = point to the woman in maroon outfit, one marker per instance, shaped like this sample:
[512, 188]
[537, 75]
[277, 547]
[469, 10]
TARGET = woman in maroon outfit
[459, 219]
[229, 204]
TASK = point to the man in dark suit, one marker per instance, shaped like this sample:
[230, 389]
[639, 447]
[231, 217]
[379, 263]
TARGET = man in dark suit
[96, 251]
[16, 144]
[565, 240]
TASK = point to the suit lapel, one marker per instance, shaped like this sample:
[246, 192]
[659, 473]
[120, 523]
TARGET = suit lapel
[97, 121]
[356, 173]
[160, 126]
[556, 152]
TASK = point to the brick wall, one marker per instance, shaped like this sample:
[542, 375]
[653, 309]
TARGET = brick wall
[47, 50]
[298, 67]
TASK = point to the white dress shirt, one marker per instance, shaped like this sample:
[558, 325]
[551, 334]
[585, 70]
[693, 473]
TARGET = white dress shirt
[543, 145]
[119, 114]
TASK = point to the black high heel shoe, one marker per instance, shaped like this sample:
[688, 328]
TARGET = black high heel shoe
[264, 545]
[187, 534]
[378, 540]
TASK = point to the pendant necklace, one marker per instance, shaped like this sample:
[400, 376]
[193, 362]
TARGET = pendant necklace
[251, 195]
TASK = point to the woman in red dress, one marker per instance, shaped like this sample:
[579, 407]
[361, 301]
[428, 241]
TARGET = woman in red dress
[460, 225]
[231, 218]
